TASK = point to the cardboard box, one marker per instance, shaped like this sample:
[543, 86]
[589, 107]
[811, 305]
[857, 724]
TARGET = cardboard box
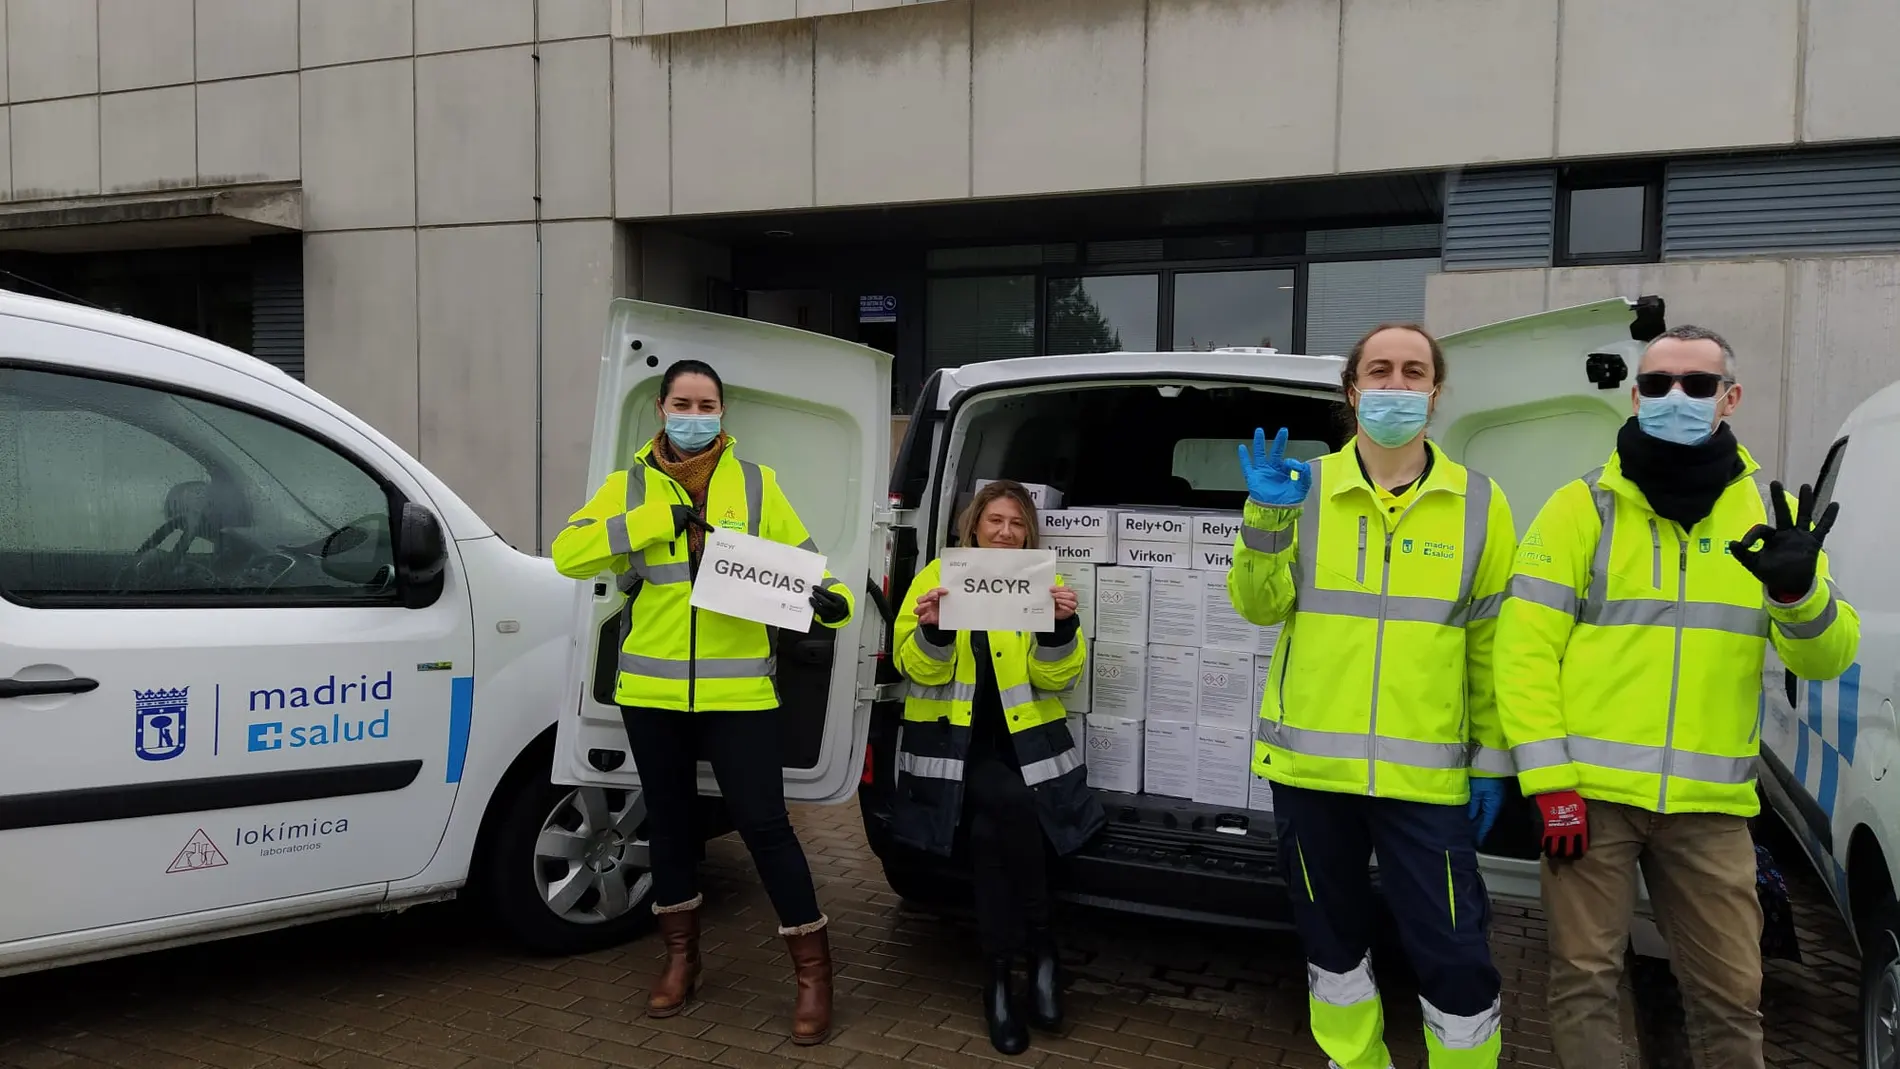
[1214, 559]
[1079, 731]
[1174, 682]
[1223, 628]
[1227, 690]
[1216, 529]
[1115, 754]
[1175, 598]
[1153, 554]
[1170, 527]
[1259, 794]
[1079, 576]
[1076, 698]
[1221, 766]
[1262, 668]
[1043, 496]
[1079, 523]
[1091, 550]
[1121, 605]
[1168, 758]
[1121, 681]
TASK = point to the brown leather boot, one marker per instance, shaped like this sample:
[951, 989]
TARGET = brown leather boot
[810, 948]
[679, 930]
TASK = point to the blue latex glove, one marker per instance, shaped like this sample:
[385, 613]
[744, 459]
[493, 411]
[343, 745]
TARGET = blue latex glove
[1487, 798]
[1274, 478]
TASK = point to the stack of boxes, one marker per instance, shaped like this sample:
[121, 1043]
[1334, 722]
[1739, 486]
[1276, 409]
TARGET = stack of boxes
[1177, 677]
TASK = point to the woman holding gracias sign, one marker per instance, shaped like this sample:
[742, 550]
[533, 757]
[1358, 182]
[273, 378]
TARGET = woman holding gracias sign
[695, 684]
[984, 741]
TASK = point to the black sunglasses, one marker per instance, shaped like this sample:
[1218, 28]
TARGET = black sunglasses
[1698, 384]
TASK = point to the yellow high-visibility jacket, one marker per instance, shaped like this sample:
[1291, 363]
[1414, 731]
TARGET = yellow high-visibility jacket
[675, 656]
[934, 739]
[1381, 679]
[1630, 651]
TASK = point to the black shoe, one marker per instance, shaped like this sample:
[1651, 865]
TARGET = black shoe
[1007, 1033]
[1045, 981]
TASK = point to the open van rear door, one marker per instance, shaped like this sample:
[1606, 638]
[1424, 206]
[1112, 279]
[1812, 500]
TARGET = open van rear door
[817, 411]
[1536, 401]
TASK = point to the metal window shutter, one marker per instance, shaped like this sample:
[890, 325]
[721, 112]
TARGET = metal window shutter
[1728, 208]
[1346, 298]
[1500, 219]
[277, 305]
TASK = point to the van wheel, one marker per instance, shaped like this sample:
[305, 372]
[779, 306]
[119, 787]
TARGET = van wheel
[1880, 990]
[570, 868]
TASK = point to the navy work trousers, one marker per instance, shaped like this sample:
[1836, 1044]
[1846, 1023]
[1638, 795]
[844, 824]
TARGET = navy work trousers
[1428, 869]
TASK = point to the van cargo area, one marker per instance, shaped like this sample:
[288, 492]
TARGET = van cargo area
[1167, 447]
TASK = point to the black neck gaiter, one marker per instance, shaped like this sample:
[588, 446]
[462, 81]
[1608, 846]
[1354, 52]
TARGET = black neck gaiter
[1682, 482]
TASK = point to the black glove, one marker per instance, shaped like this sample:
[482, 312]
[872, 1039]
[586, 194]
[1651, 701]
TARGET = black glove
[685, 516]
[829, 606]
[1790, 551]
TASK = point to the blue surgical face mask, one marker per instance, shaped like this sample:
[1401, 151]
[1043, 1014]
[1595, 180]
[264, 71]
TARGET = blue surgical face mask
[1393, 417]
[691, 433]
[1677, 417]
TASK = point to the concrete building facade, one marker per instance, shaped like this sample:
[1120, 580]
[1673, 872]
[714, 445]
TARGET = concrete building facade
[423, 206]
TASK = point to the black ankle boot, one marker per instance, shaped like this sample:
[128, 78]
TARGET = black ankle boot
[1007, 1033]
[1045, 981]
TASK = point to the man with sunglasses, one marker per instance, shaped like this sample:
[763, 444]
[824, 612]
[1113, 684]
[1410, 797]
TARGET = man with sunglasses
[1629, 663]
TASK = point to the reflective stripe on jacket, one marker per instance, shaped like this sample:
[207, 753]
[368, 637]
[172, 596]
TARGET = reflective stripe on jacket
[934, 739]
[1630, 652]
[1381, 679]
[673, 656]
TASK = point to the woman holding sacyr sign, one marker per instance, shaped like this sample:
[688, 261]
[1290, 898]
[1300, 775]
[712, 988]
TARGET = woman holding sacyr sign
[984, 742]
[695, 684]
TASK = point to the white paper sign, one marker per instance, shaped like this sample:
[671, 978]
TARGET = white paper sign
[998, 590]
[757, 579]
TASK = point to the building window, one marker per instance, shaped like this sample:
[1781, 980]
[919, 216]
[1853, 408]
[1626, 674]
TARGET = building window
[1608, 220]
[1104, 314]
[1219, 308]
[979, 318]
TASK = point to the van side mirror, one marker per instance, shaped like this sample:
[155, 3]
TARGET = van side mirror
[422, 556]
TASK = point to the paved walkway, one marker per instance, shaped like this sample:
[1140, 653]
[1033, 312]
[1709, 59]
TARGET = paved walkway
[432, 989]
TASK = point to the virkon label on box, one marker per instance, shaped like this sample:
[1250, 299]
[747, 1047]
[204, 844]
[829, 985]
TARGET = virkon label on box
[1153, 527]
[1216, 529]
[1153, 554]
[1175, 599]
[1174, 681]
[1223, 628]
[1114, 754]
[1121, 681]
[1168, 758]
[1090, 550]
[1078, 523]
[1221, 766]
[1214, 559]
[1079, 576]
[1121, 605]
[1227, 689]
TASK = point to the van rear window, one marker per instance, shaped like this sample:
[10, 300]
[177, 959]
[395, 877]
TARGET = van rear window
[1214, 463]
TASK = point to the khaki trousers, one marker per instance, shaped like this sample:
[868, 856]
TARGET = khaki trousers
[1700, 869]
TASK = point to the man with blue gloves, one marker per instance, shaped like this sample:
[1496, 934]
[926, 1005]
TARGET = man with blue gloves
[1386, 562]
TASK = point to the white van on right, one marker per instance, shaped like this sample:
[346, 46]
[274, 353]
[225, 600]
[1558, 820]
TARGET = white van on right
[1830, 750]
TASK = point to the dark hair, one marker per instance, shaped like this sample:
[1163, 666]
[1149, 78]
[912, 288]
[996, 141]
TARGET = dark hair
[690, 367]
[1001, 488]
[1350, 373]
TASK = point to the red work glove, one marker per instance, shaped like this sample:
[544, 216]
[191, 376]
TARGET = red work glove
[1566, 825]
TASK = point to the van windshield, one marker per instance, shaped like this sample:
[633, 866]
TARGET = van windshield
[1127, 444]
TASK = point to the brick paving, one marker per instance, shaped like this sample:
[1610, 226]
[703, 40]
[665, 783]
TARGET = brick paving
[433, 989]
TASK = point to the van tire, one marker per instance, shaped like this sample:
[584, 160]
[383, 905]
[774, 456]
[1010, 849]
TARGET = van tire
[1880, 985]
[514, 878]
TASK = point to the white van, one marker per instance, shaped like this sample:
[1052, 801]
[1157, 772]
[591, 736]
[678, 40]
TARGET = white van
[258, 666]
[1828, 748]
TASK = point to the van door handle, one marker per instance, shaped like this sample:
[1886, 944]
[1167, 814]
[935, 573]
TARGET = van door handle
[32, 688]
